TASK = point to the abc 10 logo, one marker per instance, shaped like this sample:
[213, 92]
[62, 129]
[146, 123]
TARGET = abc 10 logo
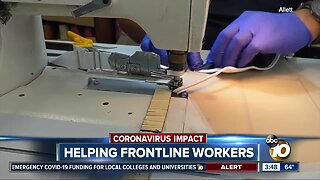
[279, 150]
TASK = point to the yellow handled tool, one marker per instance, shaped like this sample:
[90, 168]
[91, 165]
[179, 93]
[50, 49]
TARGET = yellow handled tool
[84, 42]
[79, 40]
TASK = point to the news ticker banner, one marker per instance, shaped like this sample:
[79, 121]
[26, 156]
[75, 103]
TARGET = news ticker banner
[155, 167]
[165, 152]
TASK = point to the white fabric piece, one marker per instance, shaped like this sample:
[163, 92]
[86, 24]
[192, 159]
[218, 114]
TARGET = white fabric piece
[228, 69]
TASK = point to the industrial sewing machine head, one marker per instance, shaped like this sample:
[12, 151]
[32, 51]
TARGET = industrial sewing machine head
[174, 25]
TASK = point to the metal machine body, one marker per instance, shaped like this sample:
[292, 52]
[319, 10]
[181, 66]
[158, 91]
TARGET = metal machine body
[174, 25]
[37, 100]
[22, 52]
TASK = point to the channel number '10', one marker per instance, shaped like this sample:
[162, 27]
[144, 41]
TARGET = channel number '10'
[279, 149]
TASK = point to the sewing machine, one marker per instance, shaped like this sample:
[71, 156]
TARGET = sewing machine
[174, 25]
[37, 100]
[41, 101]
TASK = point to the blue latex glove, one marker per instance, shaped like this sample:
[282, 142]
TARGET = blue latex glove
[194, 58]
[258, 32]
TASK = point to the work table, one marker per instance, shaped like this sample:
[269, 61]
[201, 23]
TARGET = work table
[282, 101]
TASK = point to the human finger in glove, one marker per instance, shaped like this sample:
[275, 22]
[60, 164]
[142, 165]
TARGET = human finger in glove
[193, 58]
[262, 32]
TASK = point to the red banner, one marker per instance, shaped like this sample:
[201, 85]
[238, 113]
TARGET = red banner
[158, 138]
[232, 167]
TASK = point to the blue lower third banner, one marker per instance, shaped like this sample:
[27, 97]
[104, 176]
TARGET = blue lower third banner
[70, 167]
[158, 152]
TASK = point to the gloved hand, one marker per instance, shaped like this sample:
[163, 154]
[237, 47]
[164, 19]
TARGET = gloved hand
[258, 32]
[194, 58]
